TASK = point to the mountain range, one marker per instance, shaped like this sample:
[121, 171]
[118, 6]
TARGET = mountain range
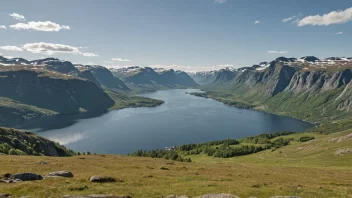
[147, 78]
[307, 88]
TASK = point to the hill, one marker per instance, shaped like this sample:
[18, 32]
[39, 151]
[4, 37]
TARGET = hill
[315, 168]
[16, 142]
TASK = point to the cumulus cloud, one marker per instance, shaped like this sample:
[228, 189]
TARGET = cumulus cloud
[277, 52]
[288, 19]
[46, 26]
[11, 48]
[90, 54]
[50, 48]
[338, 33]
[3, 27]
[220, 1]
[256, 22]
[334, 17]
[18, 17]
[121, 60]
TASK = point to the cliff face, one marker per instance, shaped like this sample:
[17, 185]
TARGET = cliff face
[62, 94]
[289, 87]
[106, 78]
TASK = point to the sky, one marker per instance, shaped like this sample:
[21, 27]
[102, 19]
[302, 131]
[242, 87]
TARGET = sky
[189, 35]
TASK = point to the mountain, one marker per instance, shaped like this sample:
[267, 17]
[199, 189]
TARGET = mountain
[101, 76]
[148, 79]
[307, 88]
[32, 90]
[16, 142]
[39, 91]
[203, 78]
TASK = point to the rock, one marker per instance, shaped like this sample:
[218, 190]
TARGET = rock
[42, 162]
[26, 176]
[94, 196]
[176, 196]
[101, 179]
[60, 174]
[217, 196]
[5, 195]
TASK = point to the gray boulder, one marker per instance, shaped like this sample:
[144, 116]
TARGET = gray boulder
[60, 174]
[101, 179]
[94, 196]
[26, 176]
[176, 196]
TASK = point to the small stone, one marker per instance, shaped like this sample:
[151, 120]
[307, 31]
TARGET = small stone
[101, 179]
[42, 162]
[60, 174]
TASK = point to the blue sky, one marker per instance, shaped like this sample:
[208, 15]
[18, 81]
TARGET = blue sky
[192, 33]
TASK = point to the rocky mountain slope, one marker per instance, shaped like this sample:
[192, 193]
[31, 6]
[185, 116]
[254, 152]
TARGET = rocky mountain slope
[146, 78]
[16, 142]
[306, 88]
[205, 77]
[101, 76]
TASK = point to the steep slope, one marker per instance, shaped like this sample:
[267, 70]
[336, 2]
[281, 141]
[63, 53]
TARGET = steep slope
[307, 88]
[102, 76]
[28, 92]
[16, 142]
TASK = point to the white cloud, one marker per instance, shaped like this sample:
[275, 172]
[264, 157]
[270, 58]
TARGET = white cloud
[52, 48]
[3, 27]
[18, 17]
[121, 60]
[277, 52]
[220, 1]
[334, 17]
[256, 22]
[338, 33]
[11, 48]
[288, 19]
[46, 26]
[90, 54]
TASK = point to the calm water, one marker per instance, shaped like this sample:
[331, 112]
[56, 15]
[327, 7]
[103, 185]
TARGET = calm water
[182, 119]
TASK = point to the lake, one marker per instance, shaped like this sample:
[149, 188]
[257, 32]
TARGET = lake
[182, 119]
